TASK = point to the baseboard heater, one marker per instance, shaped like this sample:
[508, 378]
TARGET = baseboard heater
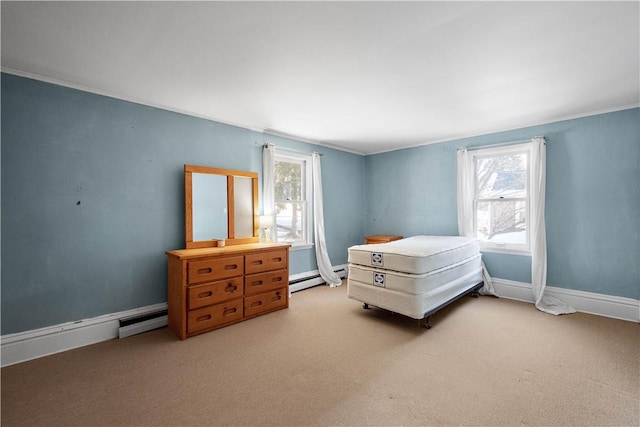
[309, 279]
[138, 324]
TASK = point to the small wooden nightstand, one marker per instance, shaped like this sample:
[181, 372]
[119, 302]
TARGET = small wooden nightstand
[380, 238]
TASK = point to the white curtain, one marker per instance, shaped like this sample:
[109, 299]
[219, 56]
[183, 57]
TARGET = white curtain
[268, 182]
[465, 209]
[322, 256]
[465, 193]
[538, 232]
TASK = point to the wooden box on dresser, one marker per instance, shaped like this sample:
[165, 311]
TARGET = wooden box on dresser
[209, 288]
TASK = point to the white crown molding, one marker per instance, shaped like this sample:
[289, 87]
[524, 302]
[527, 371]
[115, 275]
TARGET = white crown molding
[139, 101]
[493, 131]
[277, 133]
[122, 97]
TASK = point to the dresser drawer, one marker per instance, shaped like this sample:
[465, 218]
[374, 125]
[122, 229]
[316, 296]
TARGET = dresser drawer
[213, 269]
[256, 283]
[265, 261]
[213, 293]
[266, 301]
[214, 315]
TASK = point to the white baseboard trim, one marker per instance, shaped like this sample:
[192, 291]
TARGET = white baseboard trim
[312, 278]
[585, 302]
[29, 345]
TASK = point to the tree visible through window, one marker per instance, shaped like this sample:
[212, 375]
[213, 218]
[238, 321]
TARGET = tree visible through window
[501, 196]
[501, 189]
[291, 191]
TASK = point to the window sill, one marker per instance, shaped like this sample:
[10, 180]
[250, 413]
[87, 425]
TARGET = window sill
[301, 247]
[507, 251]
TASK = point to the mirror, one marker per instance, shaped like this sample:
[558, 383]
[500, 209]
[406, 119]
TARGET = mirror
[209, 206]
[220, 204]
[242, 201]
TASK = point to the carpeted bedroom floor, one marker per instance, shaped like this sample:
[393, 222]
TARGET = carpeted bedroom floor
[326, 361]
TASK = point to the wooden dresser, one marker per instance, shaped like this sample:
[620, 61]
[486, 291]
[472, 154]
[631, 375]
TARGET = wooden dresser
[214, 287]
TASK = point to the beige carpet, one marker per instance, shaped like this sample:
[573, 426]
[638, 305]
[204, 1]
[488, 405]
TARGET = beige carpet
[326, 361]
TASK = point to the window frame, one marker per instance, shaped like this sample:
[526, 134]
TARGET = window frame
[505, 150]
[307, 192]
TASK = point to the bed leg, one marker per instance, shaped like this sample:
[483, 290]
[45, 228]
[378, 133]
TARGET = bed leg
[475, 292]
[425, 322]
[365, 306]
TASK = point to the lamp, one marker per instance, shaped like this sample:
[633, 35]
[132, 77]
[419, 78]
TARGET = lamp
[266, 222]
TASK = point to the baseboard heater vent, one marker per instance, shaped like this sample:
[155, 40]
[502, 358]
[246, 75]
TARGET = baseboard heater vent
[142, 323]
[309, 279]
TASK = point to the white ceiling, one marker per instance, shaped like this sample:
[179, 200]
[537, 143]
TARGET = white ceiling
[366, 77]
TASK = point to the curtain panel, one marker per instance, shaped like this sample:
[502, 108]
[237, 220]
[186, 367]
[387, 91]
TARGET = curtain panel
[465, 209]
[538, 232]
[268, 183]
[322, 255]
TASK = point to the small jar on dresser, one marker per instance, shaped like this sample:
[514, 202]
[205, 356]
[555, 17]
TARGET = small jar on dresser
[209, 288]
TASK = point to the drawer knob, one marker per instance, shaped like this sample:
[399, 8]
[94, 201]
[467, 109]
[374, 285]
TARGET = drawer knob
[256, 303]
[228, 311]
[230, 288]
[203, 318]
[204, 270]
[231, 267]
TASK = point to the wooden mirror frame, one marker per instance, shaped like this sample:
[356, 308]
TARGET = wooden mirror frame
[188, 206]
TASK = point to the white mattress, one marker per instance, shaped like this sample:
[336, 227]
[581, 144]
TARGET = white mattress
[416, 254]
[415, 283]
[415, 306]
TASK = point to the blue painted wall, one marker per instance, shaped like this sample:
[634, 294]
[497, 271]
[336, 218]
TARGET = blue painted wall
[592, 207]
[92, 197]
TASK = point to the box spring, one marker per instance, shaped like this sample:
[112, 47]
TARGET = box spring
[416, 306]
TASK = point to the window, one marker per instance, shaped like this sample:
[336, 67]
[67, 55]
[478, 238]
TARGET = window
[501, 200]
[292, 193]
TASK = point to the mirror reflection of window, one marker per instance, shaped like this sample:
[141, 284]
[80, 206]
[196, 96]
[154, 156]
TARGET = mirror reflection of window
[243, 205]
[209, 206]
